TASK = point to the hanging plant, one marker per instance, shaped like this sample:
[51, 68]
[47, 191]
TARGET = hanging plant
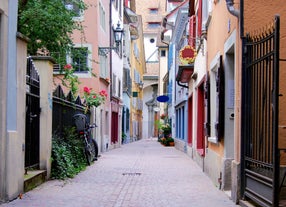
[163, 116]
[92, 98]
[70, 80]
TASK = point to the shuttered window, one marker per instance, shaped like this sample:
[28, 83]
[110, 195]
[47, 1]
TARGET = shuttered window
[192, 36]
[199, 19]
[200, 121]
[217, 102]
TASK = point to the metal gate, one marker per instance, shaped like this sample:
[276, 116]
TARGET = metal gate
[32, 116]
[259, 144]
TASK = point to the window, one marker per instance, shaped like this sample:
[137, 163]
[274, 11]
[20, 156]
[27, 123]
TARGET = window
[119, 88]
[79, 59]
[200, 120]
[152, 40]
[118, 5]
[199, 19]
[180, 122]
[72, 6]
[153, 11]
[163, 53]
[114, 81]
[102, 16]
[154, 25]
[192, 28]
[136, 50]
[104, 69]
[216, 101]
[206, 14]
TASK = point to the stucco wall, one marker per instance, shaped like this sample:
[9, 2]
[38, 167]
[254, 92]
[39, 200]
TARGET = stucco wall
[224, 40]
[44, 66]
[257, 16]
[3, 82]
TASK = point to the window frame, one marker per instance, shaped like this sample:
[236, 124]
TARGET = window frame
[154, 25]
[102, 16]
[80, 12]
[86, 73]
[153, 10]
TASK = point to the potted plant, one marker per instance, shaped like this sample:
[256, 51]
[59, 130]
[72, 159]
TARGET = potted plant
[170, 141]
[166, 128]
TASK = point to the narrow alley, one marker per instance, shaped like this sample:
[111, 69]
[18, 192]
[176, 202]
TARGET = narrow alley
[139, 174]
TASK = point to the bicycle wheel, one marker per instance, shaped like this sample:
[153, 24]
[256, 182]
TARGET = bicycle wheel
[91, 151]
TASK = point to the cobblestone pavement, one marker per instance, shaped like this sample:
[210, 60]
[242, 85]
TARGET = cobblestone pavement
[139, 174]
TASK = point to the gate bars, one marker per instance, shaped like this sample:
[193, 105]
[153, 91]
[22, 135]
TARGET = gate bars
[259, 127]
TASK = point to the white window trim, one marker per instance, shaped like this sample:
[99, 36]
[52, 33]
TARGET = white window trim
[89, 62]
[79, 18]
[103, 27]
[215, 64]
[206, 19]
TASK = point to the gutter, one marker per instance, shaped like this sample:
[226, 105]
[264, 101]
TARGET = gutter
[231, 9]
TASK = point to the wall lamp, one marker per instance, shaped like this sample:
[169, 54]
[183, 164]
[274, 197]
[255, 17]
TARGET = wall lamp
[141, 84]
[117, 32]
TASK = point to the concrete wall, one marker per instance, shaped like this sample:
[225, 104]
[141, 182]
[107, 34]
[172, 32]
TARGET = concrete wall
[44, 66]
[15, 139]
[12, 111]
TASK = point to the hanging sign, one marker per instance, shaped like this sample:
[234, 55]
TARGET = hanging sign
[187, 55]
[163, 98]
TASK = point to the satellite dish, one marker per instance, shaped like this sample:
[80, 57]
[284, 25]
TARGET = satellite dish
[163, 98]
[156, 109]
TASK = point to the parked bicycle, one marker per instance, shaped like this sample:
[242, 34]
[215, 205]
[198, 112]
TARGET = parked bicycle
[84, 132]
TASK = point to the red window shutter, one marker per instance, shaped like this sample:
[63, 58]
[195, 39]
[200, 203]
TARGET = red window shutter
[192, 31]
[199, 19]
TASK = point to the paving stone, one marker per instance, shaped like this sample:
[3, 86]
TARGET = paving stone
[139, 174]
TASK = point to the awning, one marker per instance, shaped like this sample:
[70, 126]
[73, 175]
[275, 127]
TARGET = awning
[185, 73]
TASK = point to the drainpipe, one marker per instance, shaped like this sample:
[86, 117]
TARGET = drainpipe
[182, 85]
[110, 51]
[231, 9]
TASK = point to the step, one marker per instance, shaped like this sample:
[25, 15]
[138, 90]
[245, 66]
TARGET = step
[34, 178]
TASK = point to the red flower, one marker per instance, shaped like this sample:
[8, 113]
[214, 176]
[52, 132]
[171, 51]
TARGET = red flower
[86, 90]
[103, 93]
[68, 67]
[163, 116]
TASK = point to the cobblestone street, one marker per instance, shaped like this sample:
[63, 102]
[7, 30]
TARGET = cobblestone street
[140, 174]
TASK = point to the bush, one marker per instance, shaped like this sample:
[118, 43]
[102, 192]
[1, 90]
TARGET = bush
[166, 141]
[68, 157]
[166, 130]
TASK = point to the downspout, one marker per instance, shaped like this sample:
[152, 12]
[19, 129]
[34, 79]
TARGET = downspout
[182, 85]
[231, 9]
[110, 52]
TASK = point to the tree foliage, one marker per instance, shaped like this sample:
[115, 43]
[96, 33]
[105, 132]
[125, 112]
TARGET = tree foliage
[49, 25]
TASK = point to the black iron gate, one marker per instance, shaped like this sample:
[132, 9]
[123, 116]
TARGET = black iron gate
[259, 147]
[32, 116]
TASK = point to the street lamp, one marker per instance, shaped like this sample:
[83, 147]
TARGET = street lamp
[118, 32]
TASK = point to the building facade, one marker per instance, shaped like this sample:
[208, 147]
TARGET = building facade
[152, 13]
[13, 55]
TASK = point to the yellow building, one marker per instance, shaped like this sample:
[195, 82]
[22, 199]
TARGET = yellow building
[137, 65]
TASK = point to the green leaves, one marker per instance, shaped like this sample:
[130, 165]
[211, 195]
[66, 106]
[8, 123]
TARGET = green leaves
[48, 24]
[68, 157]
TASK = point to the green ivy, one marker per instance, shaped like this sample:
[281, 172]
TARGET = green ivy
[68, 157]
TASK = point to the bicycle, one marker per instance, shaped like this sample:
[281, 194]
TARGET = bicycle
[84, 131]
